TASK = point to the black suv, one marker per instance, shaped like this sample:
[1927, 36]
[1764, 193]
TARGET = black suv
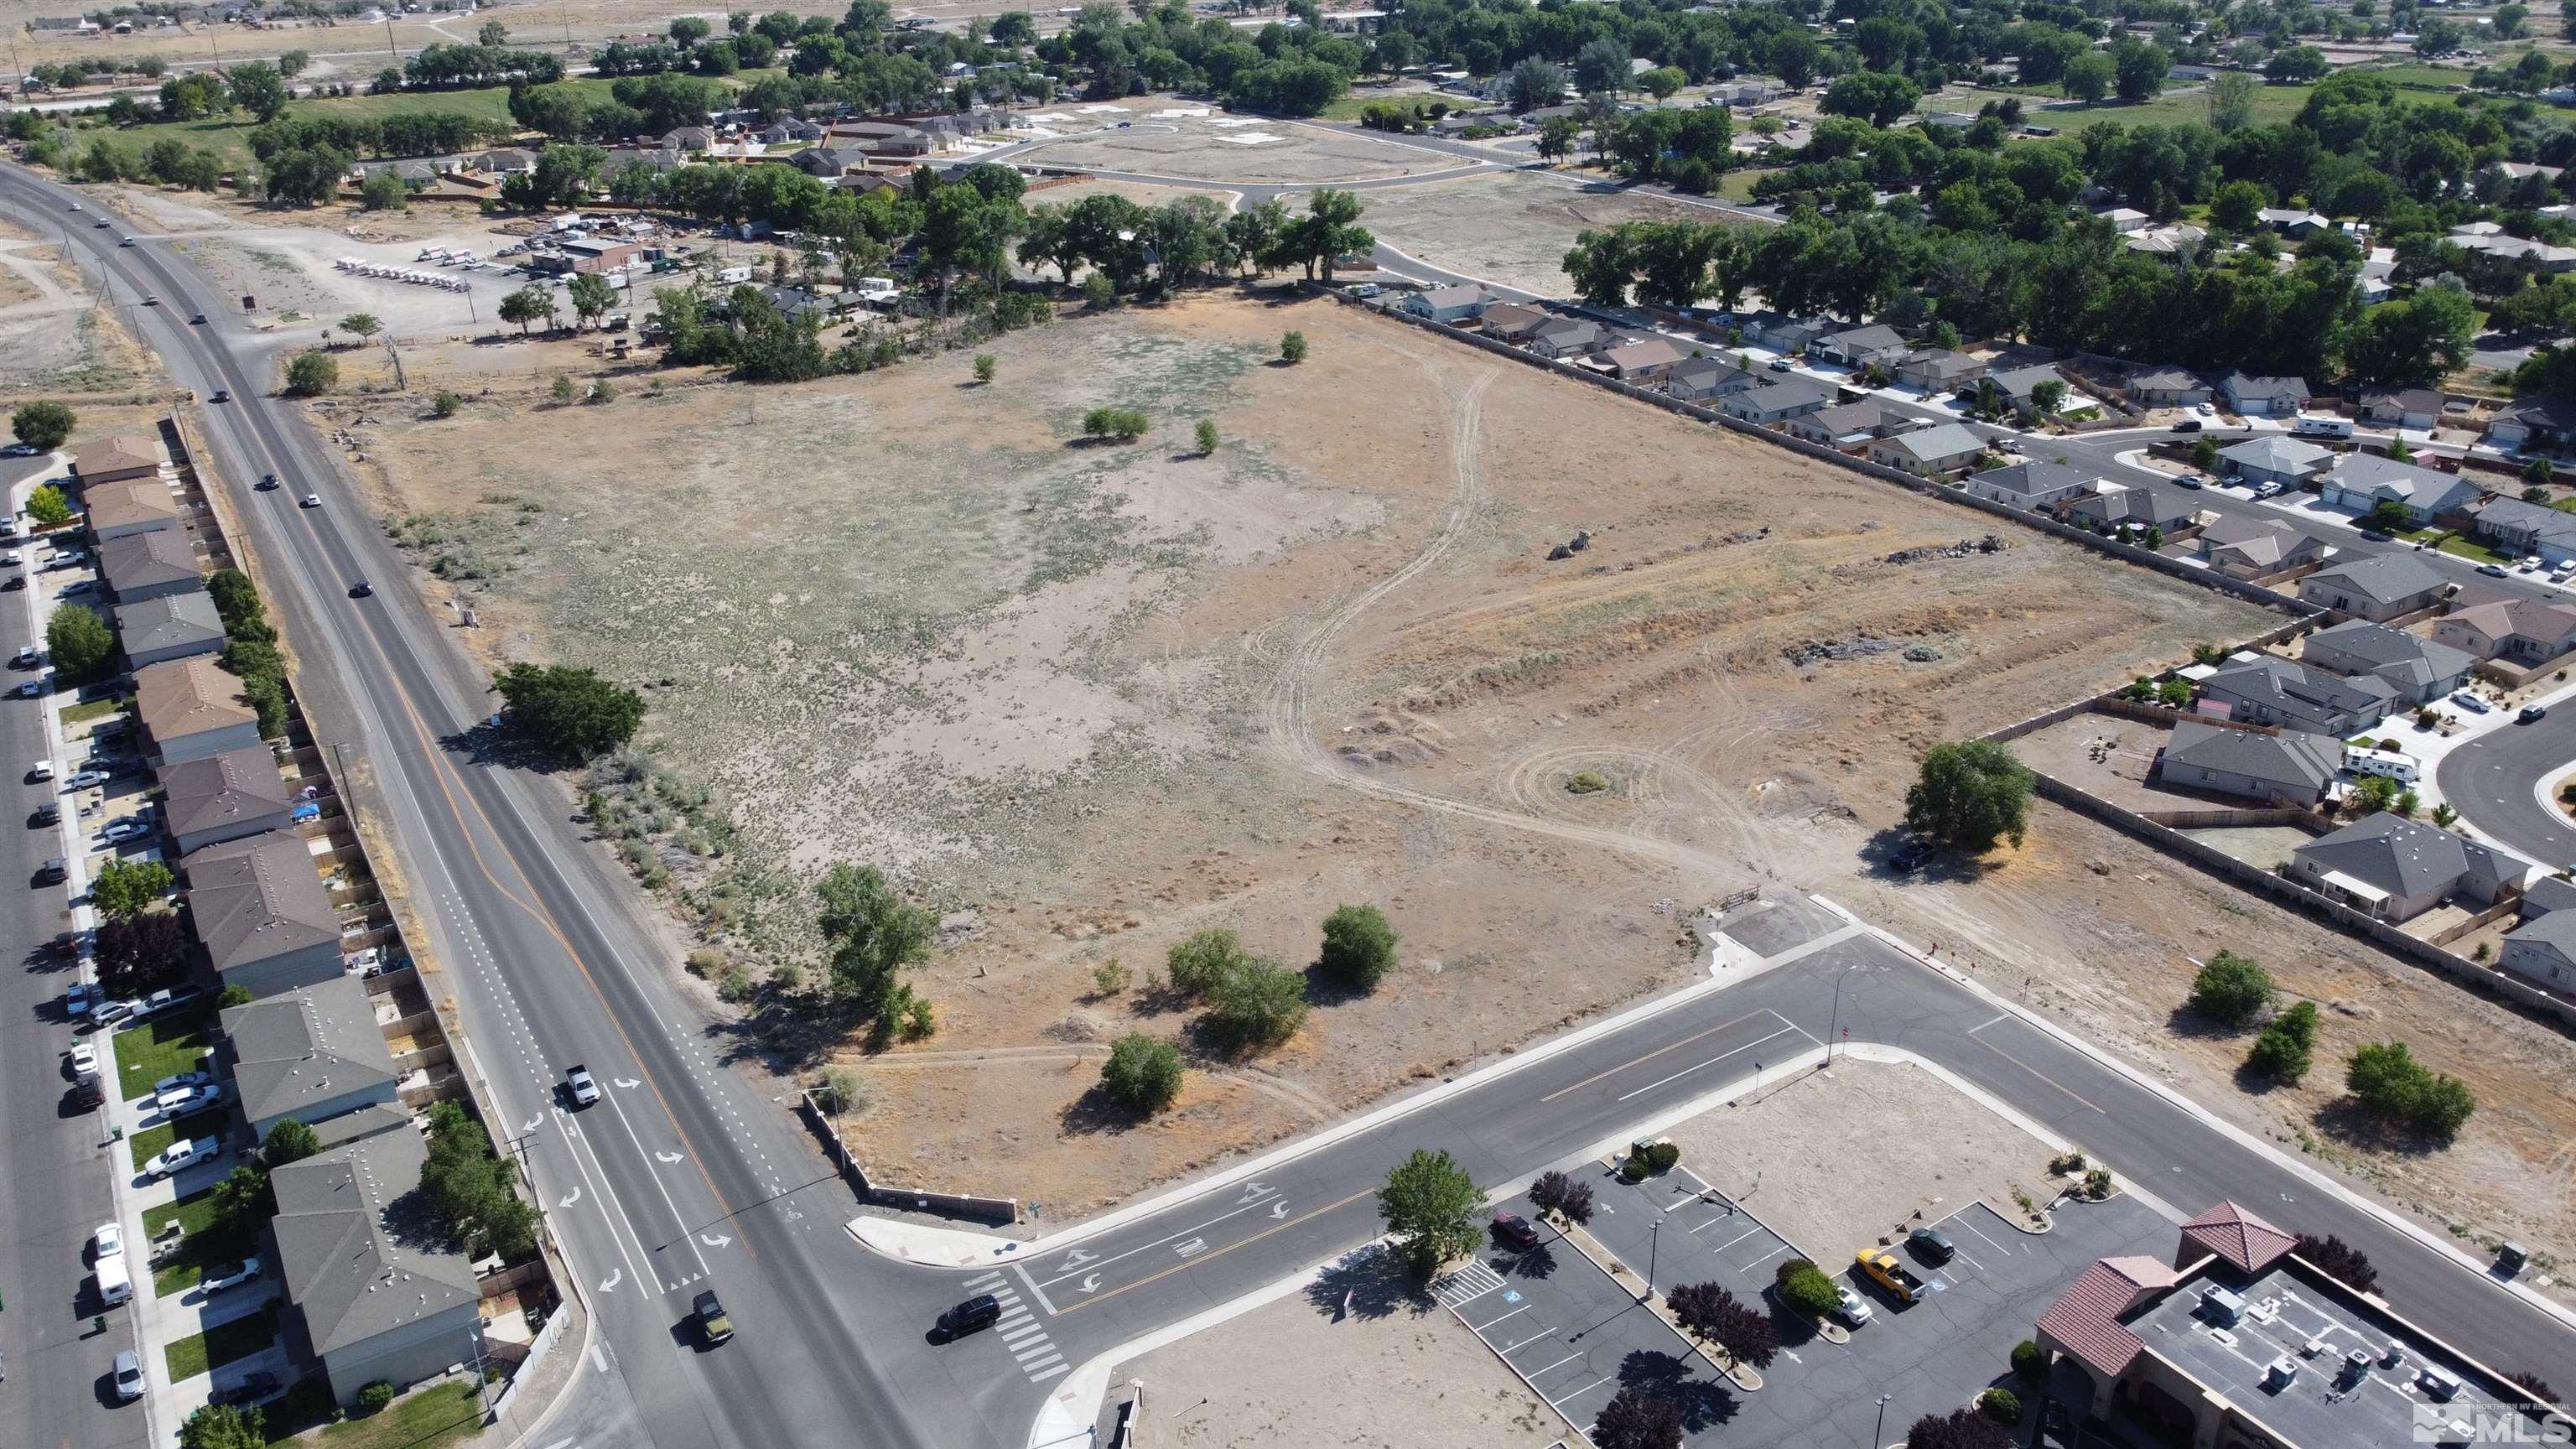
[975, 1313]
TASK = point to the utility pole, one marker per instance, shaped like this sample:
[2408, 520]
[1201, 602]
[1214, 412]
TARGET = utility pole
[401, 384]
[390, 42]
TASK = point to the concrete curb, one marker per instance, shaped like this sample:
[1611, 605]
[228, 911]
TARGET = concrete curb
[2387, 1216]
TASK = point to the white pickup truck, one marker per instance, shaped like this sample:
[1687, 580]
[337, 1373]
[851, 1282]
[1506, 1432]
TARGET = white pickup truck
[577, 1080]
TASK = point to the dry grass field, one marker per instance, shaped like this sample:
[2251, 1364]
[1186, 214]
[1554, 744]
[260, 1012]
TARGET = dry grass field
[1085, 699]
[1512, 227]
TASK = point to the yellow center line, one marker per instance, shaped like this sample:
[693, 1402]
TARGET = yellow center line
[1185, 1266]
[1650, 1056]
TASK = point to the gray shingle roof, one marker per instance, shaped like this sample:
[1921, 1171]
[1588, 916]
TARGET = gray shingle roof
[2542, 522]
[181, 619]
[2285, 685]
[2554, 933]
[2165, 379]
[1949, 440]
[257, 898]
[2275, 454]
[140, 560]
[2292, 757]
[2547, 894]
[2407, 660]
[295, 1051]
[2387, 478]
[2274, 389]
[2407, 858]
[220, 789]
[1792, 390]
[2032, 479]
[2384, 578]
[345, 1266]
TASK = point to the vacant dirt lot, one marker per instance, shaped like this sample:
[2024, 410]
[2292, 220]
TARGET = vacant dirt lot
[1222, 1389]
[1932, 1150]
[1511, 227]
[53, 341]
[1219, 147]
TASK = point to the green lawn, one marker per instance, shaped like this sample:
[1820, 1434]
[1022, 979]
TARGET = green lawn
[152, 1139]
[2417, 76]
[221, 1344]
[95, 709]
[1738, 185]
[434, 1417]
[2273, 104]
[2466, 549]
[204, 1248]
[162, 1047]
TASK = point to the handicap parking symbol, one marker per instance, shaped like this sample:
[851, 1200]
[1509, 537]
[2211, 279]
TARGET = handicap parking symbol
[1511, 1295]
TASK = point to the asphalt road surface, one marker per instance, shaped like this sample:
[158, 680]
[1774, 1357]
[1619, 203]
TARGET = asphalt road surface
[2492, 781]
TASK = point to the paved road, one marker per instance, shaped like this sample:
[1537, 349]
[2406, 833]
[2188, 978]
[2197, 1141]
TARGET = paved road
[56, 1186]
[2491, 781]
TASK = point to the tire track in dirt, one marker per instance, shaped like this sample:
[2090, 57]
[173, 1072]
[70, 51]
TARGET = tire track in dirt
[1290, 706]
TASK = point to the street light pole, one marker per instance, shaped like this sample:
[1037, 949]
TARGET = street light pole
[1878, 1435]
[1654, 1239]
[1832, 1031]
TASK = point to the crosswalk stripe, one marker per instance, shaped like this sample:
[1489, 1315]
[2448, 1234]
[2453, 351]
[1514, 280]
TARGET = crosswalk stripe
[1037, 1349]
[1050, 1373]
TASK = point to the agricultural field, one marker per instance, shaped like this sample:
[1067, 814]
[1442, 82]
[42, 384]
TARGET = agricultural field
[1087, 698]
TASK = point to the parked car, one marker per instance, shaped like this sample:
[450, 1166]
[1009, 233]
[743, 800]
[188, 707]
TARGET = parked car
[178, 1081]
[2494, 570]
[1850, 1307]
[32, 688]
[2471, 703]
[1515, 1231]
[28, 657]
[82, 1059]
[2187, 425]
[46, 813]
[2378, 536]
[85, 779]
[189, 1099]
[252, 1389]
[129, 1376]
[54, 869]
[39, 772]
[1931, 1245]
[2192, 481]
[2532, 714]
[170, 1000]
[978, 1312]
[1781, 364]
[121, 830]
[78, 998]
[714, 1324]
[106, 1242]
[105, 1012]
[233, 1277]
[179, 1156]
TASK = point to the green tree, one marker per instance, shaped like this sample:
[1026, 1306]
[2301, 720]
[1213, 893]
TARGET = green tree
[1557, 136]
[590, 295]
[242, 1200]
[1877, 97]
[232, 996]
[1429, 1205]
[2238, 206]
[471, 1189]
[2139, 69]
[2387, 1080]
[2231, 101]
[568, 710]
[527, 305]
[42, 425]
[288, 1141]
[80, 642]
[561, 389]
[2232, 990]
[2204, 453]
[123, 887]
[871, 933]
[1143, 1073]
[1258, 1005]
[1662, 82]
[1359, 946]
[362, 325]
[312, 374]
[1970, 794]
[256, 87]
[1292, 347]
[221, 1426]
[1197, 962]
[1803, 1286]
[985, 367]
[2090, 77]
[47, 505]
[1206, 436]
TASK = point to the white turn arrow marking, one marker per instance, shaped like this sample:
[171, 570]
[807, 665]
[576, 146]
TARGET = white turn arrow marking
[615, 1276]
[571, 1197]
[1091, 1283]
[1073, 1260]
[629, 1083]
[1279, 1209]
[714, 1242]
[530, 1125]
[666, 1157]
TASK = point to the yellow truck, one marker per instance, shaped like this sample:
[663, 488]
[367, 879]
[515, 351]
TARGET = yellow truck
[1884, 1269]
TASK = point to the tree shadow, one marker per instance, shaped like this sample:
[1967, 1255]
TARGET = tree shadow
[1096, 1112]
[1705, 1402]
[1897, 855]
[1796, 1329]
[2347, 1120]
[1370, 1283]
[1538, 1263]
[488, 743]
[784, 1032]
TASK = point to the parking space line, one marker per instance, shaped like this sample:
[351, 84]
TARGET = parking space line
[1578, 1393]
[1524, 1343]
[1972, 1227]
[1731, 1242]
[1971, 1262]
[1490, 1322]
[1560, 1363]
[1758, 1262]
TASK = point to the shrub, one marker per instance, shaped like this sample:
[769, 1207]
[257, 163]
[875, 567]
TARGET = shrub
[1804, 1287]
[2340, 1261]
[1958, 1429]
[1261, 1004]
[2066, 1162]
[2387, 1080]
[844, 1091]
[562, 388]
[1143, 1073]
[734, 985]
[1109, 977]
[2097, 1183]
[2000, 1405]
[375, 1396]
[1292, 348]
[2028, 1363]
[1124, 424]
[1586, 782]
[1632, 1169]
[233, 995]
[1359, 946]
[1554, 1192]
[42, 425]
[985, 366]
[445, 404]
[312, 374]
[1662, 1156]
[920, 1019]
[1200, 960]
[1207, 439]
[2232, 990]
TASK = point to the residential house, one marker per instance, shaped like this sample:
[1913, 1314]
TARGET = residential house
[688, 140]
[1454, 305]
[1644, 361]
[2547, 894]
[1784, 397]
[2396, 869]
[1567, 337]
[2294, 765]
[2201, 1353]
[2019, 386]
[2247, 548]
[2032, 485]
[1511, 321]
[790, 130]
[2420, 670]
[153, 565]
[2264, 397]
[2419, 408]
[1876, 344]
[2173, 239]
[885, 138]
[2361, 482]
[1938, 369]
[2166, 387]
[2543, 950]
[226, 796]
[172, 626]
[2539, 256]
[1934, 452]
[2379, 587]
[2514, 527]
[189, 708]
[129, 506]
[1784, 334]
[111, 460]
[2293, 223]
[307, 1055]
[2517, 631]
[2125, 218]
[2106, 507]
[1700, 379]
[367, 1302]
[1848, 424]
[2538, 424]
[2275, 458]
[261, 908]
[831, 162]
[2275, 691]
